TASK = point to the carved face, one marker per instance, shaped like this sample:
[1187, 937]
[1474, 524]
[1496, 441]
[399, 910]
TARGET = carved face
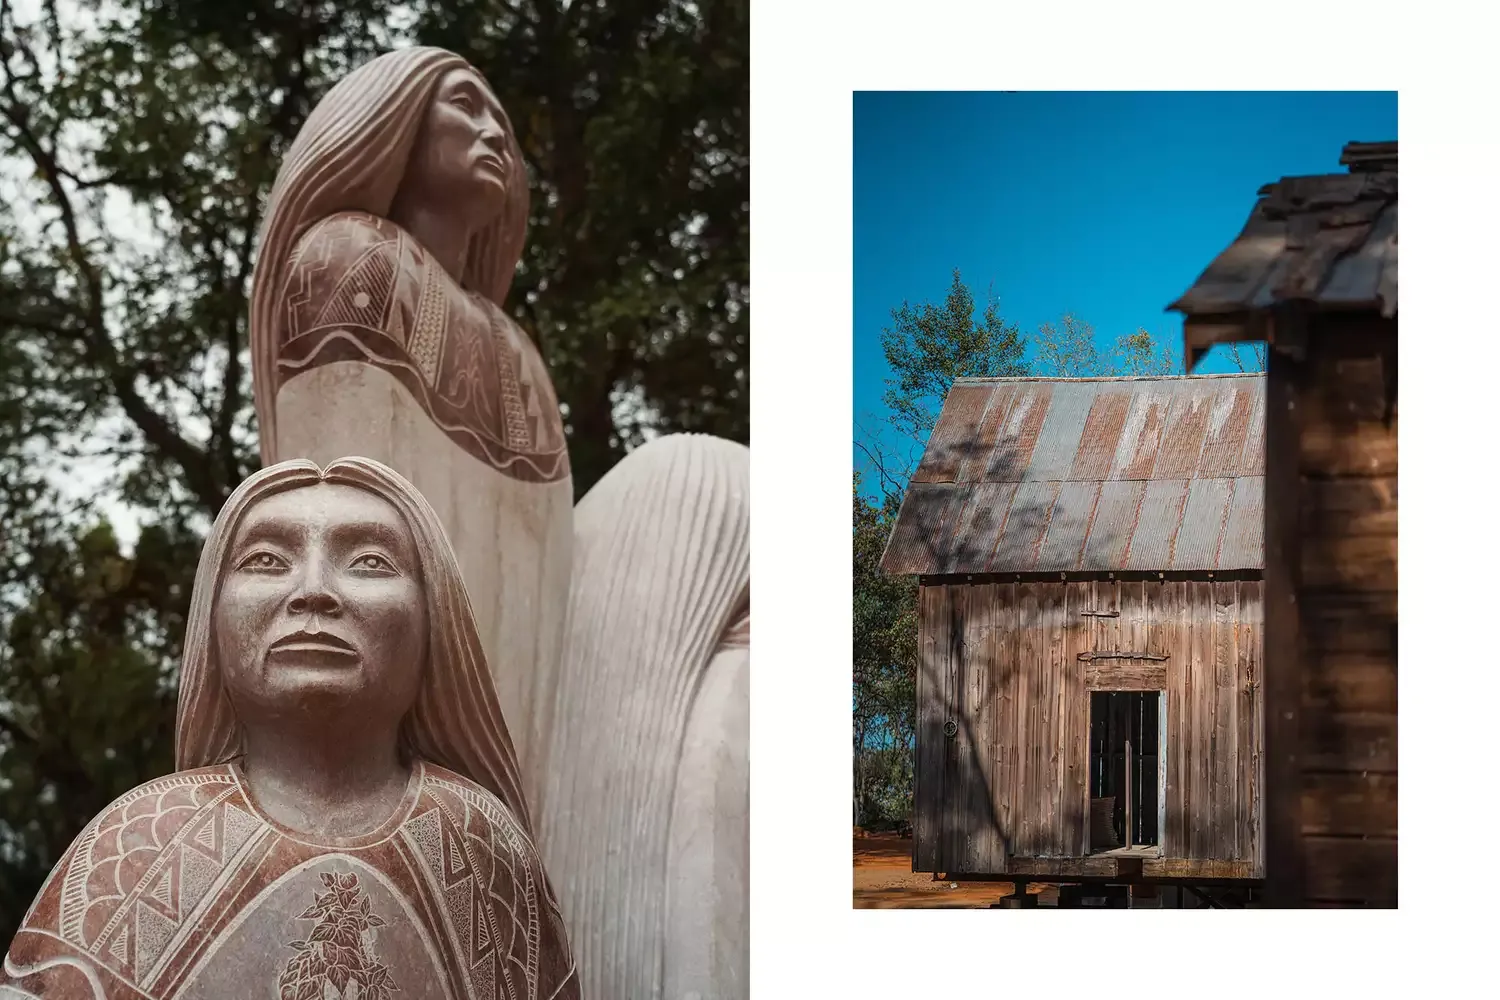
[460, 154]
[321, 607]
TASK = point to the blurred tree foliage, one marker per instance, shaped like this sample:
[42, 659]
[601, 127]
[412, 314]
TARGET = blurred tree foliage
[885, 666]
[138, 141]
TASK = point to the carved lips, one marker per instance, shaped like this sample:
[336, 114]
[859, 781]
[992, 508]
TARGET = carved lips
[319, 645]
[490, 162]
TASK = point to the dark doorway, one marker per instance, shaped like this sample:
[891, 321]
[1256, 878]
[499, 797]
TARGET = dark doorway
[1124, 765]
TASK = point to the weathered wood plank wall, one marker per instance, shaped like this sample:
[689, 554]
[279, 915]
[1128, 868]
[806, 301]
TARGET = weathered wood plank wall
[1000, 661]
[1347, 592]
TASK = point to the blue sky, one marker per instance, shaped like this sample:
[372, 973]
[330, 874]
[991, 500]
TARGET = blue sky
[1106, 205]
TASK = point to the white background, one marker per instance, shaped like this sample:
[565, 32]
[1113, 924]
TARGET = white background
[808, 58]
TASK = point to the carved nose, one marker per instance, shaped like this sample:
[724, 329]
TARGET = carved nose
[316, 601]
[490, 134]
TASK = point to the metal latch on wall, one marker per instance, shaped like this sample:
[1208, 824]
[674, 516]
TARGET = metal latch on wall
[950, 729]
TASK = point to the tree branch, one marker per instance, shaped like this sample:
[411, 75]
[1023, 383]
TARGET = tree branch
[97, 345]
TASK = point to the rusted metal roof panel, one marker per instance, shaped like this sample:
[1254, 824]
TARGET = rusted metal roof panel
[1203, 519]
[1244, 535]
[1228, 425]
[1068, 528]
[918, 531]
[1114, 525]
[1101, 434]
[1049, 475]
[957, 426]
[1018, 432]
[985, 510]
[1253, 459]
[1182, 438]
[1058, 440]
[988, 435]
[1135, 454]
[1157, 527]
[1025, 526]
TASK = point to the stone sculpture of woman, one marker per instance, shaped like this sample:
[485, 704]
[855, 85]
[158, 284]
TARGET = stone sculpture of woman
[618, 634]
[347, 818]
[390, 239]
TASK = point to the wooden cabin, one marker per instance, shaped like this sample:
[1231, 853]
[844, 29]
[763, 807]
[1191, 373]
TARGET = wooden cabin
[1313, 274]
[1089, 701]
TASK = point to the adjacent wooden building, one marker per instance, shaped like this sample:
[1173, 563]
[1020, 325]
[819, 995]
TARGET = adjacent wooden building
[1313, 274]
[1089, 693]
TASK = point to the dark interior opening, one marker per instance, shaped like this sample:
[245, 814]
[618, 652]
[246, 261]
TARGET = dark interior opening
[1124, 783]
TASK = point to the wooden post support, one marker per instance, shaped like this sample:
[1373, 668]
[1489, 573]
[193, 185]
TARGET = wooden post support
[1282, 779]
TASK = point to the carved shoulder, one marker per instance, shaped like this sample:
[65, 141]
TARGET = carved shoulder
[482, 798]
[343, 271]
[524, 889]
[113, 864]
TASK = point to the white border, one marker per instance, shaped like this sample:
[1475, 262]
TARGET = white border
[807, 59]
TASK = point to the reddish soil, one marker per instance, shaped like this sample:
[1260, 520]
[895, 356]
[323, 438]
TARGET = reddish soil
[883, 880]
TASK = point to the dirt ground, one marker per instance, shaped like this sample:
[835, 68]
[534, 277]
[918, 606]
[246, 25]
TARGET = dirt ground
[883, 880]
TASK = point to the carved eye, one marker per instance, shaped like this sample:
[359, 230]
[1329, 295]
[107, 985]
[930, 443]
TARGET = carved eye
[261, 562]
[462, 102]
[373, 563]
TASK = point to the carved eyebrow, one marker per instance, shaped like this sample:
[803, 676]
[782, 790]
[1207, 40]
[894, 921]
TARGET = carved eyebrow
[260, 529]
[467, 86]
[354, 532]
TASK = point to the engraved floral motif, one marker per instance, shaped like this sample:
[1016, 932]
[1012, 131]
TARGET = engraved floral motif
[337, 960]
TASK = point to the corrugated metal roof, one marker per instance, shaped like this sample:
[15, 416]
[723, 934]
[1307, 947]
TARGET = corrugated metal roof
[1328, 241]
[1047, 475]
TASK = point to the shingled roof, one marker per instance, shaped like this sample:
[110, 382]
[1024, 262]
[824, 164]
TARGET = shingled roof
[1326, 242]
[1047, 475]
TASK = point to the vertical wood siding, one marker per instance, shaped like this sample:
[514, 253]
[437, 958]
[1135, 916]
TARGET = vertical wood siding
[1000, 660]
[1347, 592]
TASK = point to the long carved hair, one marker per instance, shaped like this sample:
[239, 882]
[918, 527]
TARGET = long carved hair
[350, 156]
[456, 721]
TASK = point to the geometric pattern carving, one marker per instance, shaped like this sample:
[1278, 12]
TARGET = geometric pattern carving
[152, 932]
[119, 946]
[198, 876]
[359, 288]
[141, 891]
[239, 826]
[489, 877]
[430, 325]
[163, 892]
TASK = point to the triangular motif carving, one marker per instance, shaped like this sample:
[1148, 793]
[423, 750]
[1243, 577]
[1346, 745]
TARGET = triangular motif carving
[455, 865]
[152, 932]
[484, 938]
[119, 945]
[482, 975]
[425, 832]
[239, 826]
[162, 892]
[460, 900]
[197, 874]
[208, 836]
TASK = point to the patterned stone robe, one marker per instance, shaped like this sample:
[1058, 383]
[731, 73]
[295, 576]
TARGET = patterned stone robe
[360, 288]
[181, 888]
